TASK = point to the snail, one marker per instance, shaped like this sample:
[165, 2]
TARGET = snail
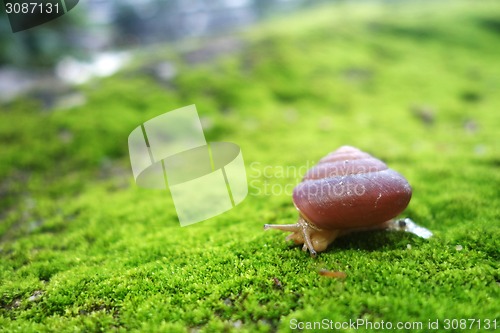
[348, 190]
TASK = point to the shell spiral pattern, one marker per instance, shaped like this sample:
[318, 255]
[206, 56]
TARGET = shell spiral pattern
[347, 190]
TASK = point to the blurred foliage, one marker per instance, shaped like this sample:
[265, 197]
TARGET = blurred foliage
[41, 46]
[125, 24]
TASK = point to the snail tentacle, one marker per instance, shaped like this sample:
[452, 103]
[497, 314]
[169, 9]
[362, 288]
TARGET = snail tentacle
[306, 234]
[283, 227]
[301, 233]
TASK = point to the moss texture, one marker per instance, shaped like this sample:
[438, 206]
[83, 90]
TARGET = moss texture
[83, 249]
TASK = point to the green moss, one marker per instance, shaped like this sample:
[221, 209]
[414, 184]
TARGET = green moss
[83, 249]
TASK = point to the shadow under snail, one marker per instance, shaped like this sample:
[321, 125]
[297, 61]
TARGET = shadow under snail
[347, 191]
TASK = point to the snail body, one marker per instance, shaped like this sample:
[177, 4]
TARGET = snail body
[348, 190]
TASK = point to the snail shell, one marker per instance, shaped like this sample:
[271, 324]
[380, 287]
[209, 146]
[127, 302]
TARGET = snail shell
[347, 190]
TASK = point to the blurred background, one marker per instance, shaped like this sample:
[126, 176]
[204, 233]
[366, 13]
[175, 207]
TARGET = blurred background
[297, 64]
[96, 36]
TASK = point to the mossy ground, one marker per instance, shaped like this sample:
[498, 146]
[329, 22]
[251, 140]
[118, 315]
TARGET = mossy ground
[83, 249]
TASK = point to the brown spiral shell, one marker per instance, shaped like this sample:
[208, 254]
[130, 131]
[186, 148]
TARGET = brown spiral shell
[349, 189]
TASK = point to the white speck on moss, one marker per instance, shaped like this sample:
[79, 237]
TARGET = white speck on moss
[36, 296]
[237, 324]
[459, 248]
[408, 246]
